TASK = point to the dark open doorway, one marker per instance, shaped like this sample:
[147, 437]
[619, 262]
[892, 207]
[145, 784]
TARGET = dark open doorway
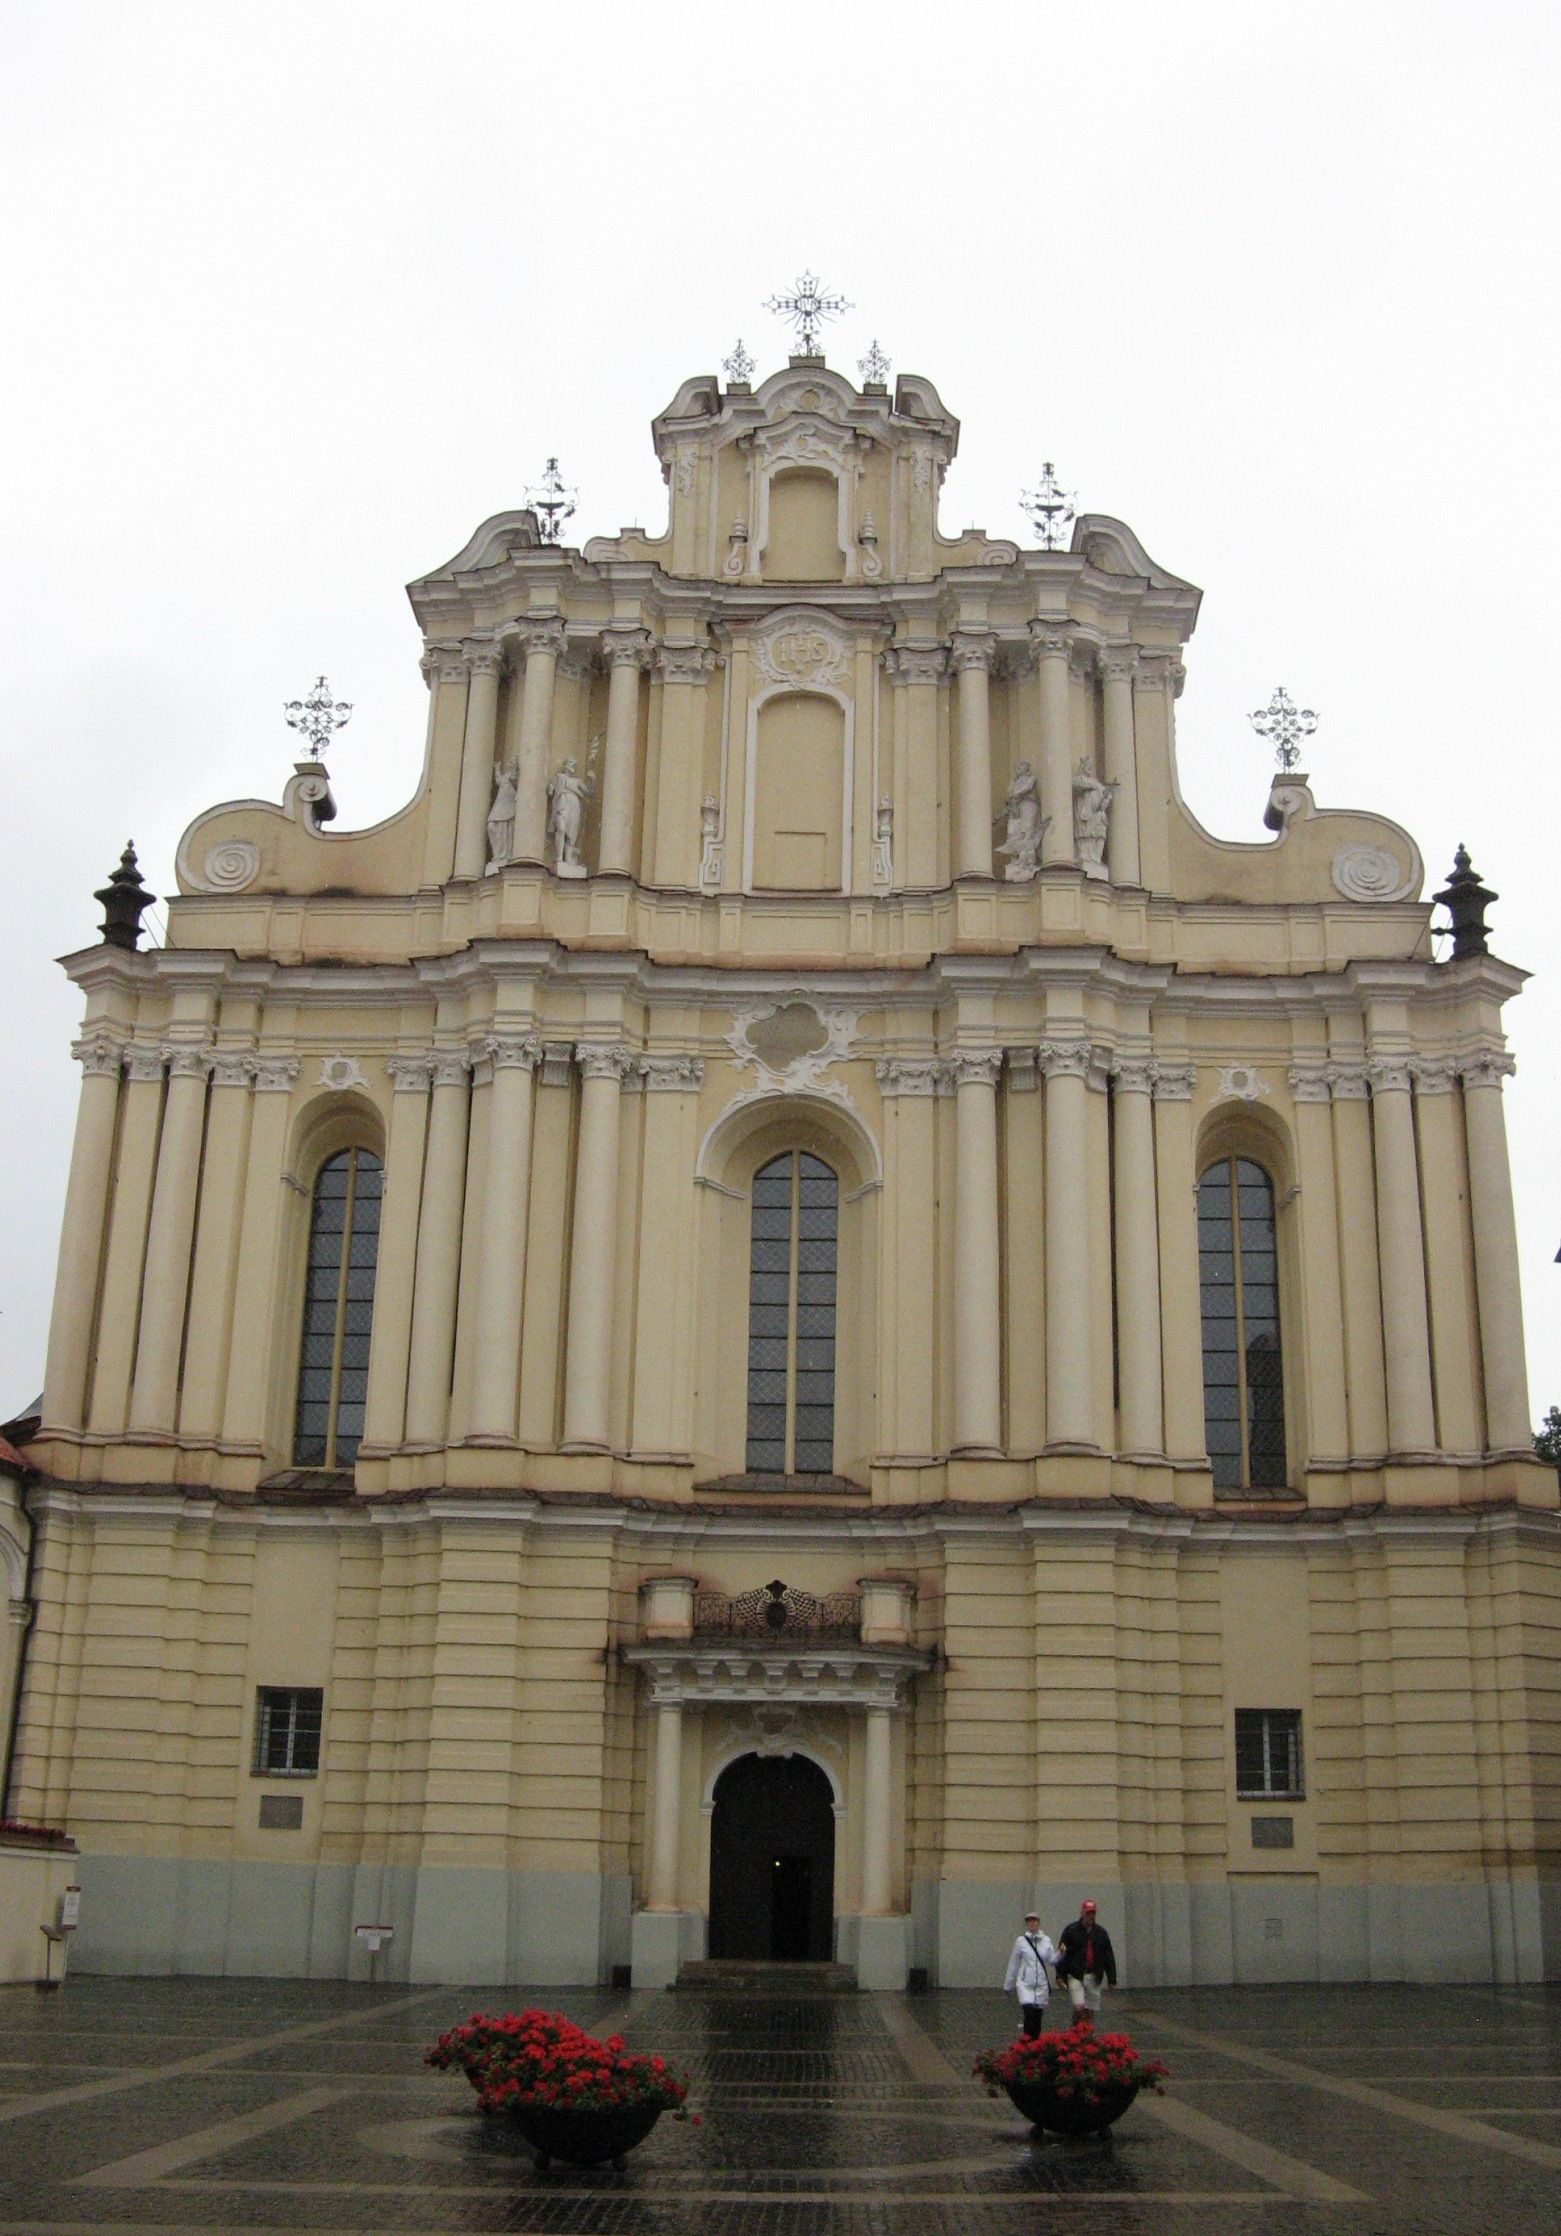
[772, 1861]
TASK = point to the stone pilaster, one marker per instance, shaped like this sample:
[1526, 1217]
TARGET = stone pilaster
[1495, 1253]
[971, 653]
[486, 664]
[514, 1057]
[593, 1255]
[438, 1268]
[1135, 1232]
[101, 1055]
[627, 653]
[978, 1388]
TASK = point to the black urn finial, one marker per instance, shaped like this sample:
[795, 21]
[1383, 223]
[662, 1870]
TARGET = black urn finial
[1466, 899]
[124, 900]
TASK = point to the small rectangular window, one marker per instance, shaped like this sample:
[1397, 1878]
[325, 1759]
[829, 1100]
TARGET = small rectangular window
[287, 1731]
[1268, 1754]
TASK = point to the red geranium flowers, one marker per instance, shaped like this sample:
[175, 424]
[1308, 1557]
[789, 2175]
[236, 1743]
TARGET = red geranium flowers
[1079, 2063]
[542, 2058]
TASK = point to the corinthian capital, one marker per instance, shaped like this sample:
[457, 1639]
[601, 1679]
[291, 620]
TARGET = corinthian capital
[973, 648]
[450, 1066]
[915, 663]
[543, 633]
[1486, 1067]
[443, 663]
[99, 1056]
[1311, 1083]
[975, 1067]
[274, 1075]
[1174, 1082]
[513, 1052]
[186, 1059]
[409, 1075]
[685, 663]
[1349, 1081]
[1436, 1075]
[671, 1074]
[231, 1068]
[484, 655]
[1051, 641]
[1134, 1075]
[143, 1065]
[1390, 1075]
[625, 647]
[911, 1075]
[1064, 1059]
[604, 1060]
[1119, 662]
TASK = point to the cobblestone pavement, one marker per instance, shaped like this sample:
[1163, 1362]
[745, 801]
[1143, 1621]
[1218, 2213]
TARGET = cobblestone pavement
[168, 2107]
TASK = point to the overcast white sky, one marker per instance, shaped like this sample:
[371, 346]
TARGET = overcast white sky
[299, 294]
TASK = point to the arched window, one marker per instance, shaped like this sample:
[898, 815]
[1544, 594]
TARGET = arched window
[791, 1317]
[333, 1365]
[1243, 1373]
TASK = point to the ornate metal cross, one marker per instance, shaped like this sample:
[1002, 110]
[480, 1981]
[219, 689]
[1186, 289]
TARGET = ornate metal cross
[807, 306]
[1284, 724]
[316, 716]
[874, 367]
[1050, 507]
[551, 501]
[738, 368]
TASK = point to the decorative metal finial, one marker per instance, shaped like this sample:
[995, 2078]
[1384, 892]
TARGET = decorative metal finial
[874, 367]
[1466, 897]
[1050, 507]
[317, 715]
[807, 306]
[124, 900]
[1284, 724]
[551, 501]
[738, 368]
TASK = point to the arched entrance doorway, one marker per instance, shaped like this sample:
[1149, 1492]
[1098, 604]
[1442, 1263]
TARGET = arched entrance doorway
[772, 1861]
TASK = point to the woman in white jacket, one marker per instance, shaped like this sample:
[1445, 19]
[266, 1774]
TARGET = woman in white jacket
[1027, 1974]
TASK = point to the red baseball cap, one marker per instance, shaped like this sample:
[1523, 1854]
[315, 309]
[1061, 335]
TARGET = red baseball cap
[1086, 1905]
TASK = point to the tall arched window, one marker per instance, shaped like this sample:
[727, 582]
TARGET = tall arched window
[791, 1317]
[1243, 1372]
[333, 1365]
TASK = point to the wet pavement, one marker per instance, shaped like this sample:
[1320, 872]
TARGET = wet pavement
[174, 2106]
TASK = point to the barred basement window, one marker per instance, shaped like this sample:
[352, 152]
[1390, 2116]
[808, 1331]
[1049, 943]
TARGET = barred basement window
[287, 1730]
[1243, 1371]
[1268, 1754]
[333, 1366]
[791, 1317]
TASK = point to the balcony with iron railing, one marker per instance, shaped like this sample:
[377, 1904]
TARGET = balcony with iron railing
[777, 1614]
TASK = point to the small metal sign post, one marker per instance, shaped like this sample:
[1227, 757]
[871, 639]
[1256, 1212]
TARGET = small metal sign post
[374, 1938]
[65, 1924]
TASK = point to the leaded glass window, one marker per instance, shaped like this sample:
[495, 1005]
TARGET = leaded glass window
[333, 1366]
[791, 1317]
[1243, 1372]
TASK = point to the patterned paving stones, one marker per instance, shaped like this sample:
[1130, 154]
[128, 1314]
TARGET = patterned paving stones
[169, 2108]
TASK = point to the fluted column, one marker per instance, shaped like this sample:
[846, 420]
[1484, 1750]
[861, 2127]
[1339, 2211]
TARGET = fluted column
[627, 652]
[437, 1277]
[251, 1359]
[390, 1340]
[971, 654]
[1495, 1254]
[201, 1385]
[120, 1308]
[482, 724]
[1052, 647]
[978, 1379]
[1406, 1344]
[594, 1249]
[542, 643]
[1118, 666]
[665, 1807]
[101, 1056]
[154, 1401]
[1449, 1271]
[1070, 1424]
[1328, 1432]
[877, 1847]
[502, 1263]
[1135, 1231]
[1181, 1327]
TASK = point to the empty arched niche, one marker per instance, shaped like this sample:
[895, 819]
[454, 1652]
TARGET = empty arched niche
[799, 794]
[803, 539]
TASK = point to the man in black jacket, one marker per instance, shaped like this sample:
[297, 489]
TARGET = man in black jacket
[1087, 1962]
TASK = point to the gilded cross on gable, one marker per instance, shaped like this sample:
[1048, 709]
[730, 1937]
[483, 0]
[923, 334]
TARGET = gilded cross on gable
[807, 306]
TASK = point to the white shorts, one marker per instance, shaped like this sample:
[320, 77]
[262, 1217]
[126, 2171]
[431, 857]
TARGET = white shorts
[1084, 1994]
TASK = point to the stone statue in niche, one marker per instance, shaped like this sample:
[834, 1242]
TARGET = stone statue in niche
[1091, 807]
[567, 793]
[883, 842]
[1026, 825]
[501, 819]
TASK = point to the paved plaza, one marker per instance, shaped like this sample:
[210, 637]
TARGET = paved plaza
[186, 2105]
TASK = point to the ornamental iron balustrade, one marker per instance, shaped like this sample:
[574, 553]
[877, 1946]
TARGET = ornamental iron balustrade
[777, 1612]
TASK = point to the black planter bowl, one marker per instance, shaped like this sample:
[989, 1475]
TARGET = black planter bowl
[583, 2138]
[1071, 2115]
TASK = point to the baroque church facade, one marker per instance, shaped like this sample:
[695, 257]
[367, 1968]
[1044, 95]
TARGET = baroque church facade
[790, 1314]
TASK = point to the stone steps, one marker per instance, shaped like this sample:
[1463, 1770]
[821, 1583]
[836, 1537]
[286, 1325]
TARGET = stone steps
[752, 1976]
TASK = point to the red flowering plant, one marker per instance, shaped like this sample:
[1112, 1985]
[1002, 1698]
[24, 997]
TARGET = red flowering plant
[21, 1834]
[1079, 2063]
[540, 2058]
